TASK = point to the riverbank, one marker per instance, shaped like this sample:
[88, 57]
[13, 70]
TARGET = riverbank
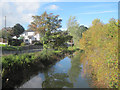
[25, 62]
[18, 65]
[20, 48]
[20, 76]
[25, 59]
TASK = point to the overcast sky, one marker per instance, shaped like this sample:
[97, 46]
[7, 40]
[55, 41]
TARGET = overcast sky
[85, 12]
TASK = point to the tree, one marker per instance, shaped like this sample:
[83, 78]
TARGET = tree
[75, 29]
[56, 40]
[45, 22]
[100, 44]
[6, 33]
[17, 30]
[83, 28]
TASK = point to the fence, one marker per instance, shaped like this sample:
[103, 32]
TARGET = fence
[28, 47]
[24, 49]
[20, 52]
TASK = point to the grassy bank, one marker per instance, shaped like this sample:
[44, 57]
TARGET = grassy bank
[10, 48]
[15, 66]
[25, 60]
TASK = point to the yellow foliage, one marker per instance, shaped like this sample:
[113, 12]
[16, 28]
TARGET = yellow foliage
[100, 43]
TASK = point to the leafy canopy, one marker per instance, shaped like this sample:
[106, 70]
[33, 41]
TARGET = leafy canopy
[45, 22]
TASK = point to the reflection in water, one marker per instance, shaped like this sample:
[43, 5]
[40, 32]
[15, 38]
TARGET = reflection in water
[35, 82]
[57, 80]
[75, 69]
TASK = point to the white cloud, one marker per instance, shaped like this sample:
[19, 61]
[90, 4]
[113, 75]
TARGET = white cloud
[18, 12]
[52, 7]
[97, 12]
[29, 6]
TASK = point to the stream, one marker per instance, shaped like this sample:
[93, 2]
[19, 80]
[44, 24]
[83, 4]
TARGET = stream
[67, 73]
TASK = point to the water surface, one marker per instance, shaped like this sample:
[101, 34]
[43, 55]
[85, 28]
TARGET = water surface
[68, 72]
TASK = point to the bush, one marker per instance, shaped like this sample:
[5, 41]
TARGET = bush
[14, 42]
[22, 44]
[11, 48]
[38, 43]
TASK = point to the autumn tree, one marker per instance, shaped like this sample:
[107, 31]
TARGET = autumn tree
[45, 22]
[100, 43]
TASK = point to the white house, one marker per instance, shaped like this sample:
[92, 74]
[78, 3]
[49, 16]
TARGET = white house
[30, 36]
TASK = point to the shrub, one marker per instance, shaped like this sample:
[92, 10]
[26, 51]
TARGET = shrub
[38, 43]
[14, 42]
[22, 44]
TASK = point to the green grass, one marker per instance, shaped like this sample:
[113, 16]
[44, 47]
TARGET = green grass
[2, 45]
[10, 48]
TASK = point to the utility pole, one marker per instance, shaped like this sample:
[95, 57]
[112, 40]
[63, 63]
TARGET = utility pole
[5, 32]
[5, 27]
[5, 22]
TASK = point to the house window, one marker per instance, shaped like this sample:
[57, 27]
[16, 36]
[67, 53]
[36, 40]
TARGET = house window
[26, 40]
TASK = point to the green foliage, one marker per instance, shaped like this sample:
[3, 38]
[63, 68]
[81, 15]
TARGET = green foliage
[10, 48]
[21, 37]
[6, 33]
[17, 30]
[46, 54]
[9, 61]
[47, 25]
[15, 42]
[12, 31]
[75, 30]
[73, 48]
[22, 44]
[45, 22]
[38, 43]
[3, 45]
[22, 60]
[56, 40]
